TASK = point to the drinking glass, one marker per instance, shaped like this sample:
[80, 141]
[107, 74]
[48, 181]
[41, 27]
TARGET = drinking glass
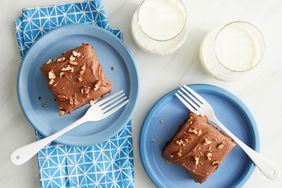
[230, 51]
[159, 26]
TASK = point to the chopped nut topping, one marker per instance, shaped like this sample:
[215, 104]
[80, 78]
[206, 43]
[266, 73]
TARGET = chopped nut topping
[207, 142]
[180, 142]
[62, 74]
[209, 155]
[73, 101]
[197, 159]
[179, 153]
[61, 59]
[49, 61]
[83, 68]
[220, 146]
[62, 98]
[215, 163]
[55, 84]
[187, 138]
[72, 58]
[97, 85]
[191, 121]
[209, 147]
[192, 130]
[81, 72]
[51, 75]
[51, 82]
[85, 90]
[73, 63]
[191, 118]
[171, 156]
[199, 132]
[75, 54]
[62, 112]
[68, 68]
[92, 102]
[79, 79]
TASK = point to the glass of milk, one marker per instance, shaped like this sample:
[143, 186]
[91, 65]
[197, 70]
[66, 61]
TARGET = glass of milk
[159, 26]
[231, 51]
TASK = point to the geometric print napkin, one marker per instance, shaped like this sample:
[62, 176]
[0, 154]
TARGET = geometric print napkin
[107, 164]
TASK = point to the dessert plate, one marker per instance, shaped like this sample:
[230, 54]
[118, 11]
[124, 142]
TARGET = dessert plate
[169, 113]
[38, 103]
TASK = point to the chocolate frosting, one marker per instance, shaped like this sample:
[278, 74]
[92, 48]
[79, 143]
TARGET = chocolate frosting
[199, 147]
[77, 78]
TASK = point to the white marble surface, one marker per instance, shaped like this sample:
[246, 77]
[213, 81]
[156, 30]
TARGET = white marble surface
[261, 90]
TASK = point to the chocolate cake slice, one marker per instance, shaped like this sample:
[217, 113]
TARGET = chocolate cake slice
[76, 78]
[199, 147]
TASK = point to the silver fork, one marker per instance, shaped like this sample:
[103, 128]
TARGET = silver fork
[99, 110]
[198, 105]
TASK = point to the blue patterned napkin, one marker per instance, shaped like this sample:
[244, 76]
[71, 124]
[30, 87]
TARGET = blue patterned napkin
[108, 164]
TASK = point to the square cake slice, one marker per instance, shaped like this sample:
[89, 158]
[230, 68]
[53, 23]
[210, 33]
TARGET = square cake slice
[199, 147]
[76, 78]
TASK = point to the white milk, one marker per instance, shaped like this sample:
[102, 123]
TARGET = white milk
[161, 19]
[229, 52]
[236, 48]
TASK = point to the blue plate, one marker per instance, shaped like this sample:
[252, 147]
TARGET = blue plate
[31, 83]
[169, 113]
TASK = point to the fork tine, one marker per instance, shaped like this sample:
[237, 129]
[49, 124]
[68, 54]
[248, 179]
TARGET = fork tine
[191, 97]
[189, 101]
[113, 104]
[186, 104]
[196, 95]
[104, 105]
[113, 110]
[106, 99]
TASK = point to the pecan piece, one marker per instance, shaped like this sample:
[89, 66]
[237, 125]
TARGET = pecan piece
[85, 90]
[187, 137]
[196, 160]
[73, 63]
[180, 142]
[220, 146]
[62, 112]
[62, 98]
[97, 85]
[76, 54]
[51, 75]
[207, 142]
[192, 130]
[215, 163]
[209, 155]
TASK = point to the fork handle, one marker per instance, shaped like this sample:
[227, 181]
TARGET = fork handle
[24, 153]
[269, 169]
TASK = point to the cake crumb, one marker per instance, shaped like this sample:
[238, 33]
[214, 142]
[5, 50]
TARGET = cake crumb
[44, 105]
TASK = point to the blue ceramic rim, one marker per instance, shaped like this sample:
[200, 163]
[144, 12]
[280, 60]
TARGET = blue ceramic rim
[255, 135]
[70, 138]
